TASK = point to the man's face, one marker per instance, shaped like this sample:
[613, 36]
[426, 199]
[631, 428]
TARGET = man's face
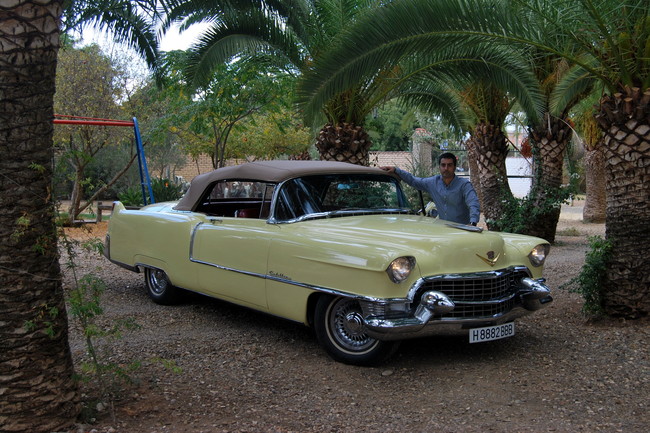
[447, 168]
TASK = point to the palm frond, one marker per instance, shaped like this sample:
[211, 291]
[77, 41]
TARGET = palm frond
[238, 34]
[436, 98]
[572, 87]
[130, 22]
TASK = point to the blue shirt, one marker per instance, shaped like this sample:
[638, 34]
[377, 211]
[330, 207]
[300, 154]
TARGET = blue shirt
[455, 202]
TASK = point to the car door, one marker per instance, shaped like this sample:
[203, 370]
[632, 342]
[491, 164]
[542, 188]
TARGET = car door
[232, 254]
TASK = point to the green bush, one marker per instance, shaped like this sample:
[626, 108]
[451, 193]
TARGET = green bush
[519, 212]
[589, 283]
[165, 190]
[131, 196]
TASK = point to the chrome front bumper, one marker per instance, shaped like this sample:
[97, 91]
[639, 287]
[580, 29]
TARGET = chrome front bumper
[433, 314]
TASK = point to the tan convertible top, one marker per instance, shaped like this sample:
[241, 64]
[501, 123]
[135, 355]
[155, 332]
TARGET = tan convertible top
[267, 171]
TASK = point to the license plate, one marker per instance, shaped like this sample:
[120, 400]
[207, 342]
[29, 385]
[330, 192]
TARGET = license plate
[478, 335]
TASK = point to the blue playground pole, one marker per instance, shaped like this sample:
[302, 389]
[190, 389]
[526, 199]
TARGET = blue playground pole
[145, 180]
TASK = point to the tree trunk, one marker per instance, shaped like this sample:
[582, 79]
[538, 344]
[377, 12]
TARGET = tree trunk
[345, 142]
[549, 142]
[491, 149]
[596, 202]
[36, 385]
[77, 194]
[625, 119]
[473, 169]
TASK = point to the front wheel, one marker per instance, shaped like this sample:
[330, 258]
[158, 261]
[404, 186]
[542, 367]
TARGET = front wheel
[339, 328]
[160, 290]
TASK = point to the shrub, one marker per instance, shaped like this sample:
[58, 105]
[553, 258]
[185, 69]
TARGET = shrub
[165, 190]
[132, 196]
[589, 283]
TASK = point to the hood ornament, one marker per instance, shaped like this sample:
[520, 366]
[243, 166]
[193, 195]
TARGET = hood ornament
[491, 258]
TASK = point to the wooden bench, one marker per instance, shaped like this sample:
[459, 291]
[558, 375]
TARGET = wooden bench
[102, 207]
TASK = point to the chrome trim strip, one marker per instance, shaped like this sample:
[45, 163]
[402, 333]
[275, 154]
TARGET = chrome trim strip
[293, 283]
[494, 301]
[196, 227]
[280, 279]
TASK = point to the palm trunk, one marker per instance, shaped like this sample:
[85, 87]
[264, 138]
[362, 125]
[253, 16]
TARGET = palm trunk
[473, 169]
[345, 142]
[491, 149]
[596, 202]
[38, 393]
[625, 119]
[549, 141]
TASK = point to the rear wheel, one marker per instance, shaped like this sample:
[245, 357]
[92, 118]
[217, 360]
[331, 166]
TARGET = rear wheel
[339, 327]
[160, 290]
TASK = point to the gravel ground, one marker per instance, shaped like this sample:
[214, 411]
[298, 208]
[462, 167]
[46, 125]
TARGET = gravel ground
[208, 366]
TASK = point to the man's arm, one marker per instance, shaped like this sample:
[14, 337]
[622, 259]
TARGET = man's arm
[421, 183]
[472, 202]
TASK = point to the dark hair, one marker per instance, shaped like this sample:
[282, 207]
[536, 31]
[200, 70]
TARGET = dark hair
[448, 155]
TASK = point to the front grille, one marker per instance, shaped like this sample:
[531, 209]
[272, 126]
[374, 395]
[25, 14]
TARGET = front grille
[480, 310]
[477, 295]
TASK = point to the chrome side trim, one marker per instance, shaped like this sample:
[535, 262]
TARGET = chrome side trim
[293, 283]
[281, 279]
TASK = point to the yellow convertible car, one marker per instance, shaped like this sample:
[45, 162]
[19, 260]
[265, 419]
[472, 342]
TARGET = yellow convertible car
[335, 246]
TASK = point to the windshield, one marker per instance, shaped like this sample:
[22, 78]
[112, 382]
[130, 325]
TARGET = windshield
[339, 195]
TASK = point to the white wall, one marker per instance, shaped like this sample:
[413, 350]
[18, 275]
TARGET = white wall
[519, 166]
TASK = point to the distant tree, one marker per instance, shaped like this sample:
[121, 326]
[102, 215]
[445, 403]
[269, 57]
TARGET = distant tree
[390, 126]
[205, 119]
[272, 134]
[591, 137]
[88, 85]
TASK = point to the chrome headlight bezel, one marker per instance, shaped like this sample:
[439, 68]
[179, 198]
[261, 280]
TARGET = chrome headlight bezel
[538, 254]
[400, 269]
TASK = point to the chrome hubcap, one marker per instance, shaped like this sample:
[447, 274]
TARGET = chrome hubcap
[347, 326]
[157, 281]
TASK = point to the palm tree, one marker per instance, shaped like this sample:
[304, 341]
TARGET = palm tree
[489, 147]
[290, 33]
[38, 392]
[591, 137]
[35, 362]
[549, 139]
[611, 36]
[614, 37]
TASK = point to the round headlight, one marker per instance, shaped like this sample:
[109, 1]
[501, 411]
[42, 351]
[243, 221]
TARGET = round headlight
[400, 269]
[538, 254]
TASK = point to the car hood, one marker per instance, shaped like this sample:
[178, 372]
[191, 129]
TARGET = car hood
[372, 241]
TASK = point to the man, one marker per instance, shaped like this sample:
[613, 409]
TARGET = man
[454, 197]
